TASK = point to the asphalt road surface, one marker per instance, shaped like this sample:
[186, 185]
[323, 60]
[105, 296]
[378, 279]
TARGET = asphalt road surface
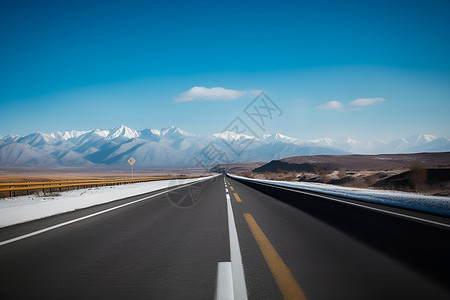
[167, 245]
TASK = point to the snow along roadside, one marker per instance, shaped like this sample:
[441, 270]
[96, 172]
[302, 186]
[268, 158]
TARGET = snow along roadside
[22, 209]
[430, 204]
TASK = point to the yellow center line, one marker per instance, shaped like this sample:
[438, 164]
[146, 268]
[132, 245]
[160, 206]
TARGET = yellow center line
[238, 199]
[289, 287]
[231, 187]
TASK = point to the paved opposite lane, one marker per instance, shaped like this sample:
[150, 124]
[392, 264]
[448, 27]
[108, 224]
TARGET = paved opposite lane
[165, 246]
[151, 249]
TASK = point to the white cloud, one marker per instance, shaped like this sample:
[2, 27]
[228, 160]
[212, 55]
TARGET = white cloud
[332, 105]
[366, 101]
[214, 93]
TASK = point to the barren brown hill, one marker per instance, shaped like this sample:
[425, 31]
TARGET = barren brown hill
[238, 167]
[357, 162]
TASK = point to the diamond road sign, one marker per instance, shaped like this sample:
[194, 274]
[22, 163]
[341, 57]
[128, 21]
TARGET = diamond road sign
[131, 161]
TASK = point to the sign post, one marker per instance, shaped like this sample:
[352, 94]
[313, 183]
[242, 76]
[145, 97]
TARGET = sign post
[131, 161]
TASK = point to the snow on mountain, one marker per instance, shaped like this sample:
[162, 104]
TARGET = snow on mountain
[10, 138]
[278, 137]
[90, 137]
[66, 135]
[232, 136]
[72, 134]
[173, 147]
[421, 139]
[441, 144]
[39, 139]
[101, 133]
[173, 131]
[416, 143]
[323, 142]
[155, 131]
[151, 134]
[123, 132]
[279, 150]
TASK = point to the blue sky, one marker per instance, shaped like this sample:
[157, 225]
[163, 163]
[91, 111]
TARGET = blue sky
[96, 64]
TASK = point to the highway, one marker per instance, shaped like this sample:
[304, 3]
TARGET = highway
[168, 244]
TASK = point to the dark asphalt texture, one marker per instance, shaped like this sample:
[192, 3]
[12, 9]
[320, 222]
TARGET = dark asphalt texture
[327, 262]
[155, 249]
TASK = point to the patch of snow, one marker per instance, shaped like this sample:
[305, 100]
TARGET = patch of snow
[231, 136]
[155, 131]
[278, 137]
[102, 133]
[173, 131]
[72, 134]
[21, 209]
[122, 131]
[430, 204]
[424, 138]
[323, 141]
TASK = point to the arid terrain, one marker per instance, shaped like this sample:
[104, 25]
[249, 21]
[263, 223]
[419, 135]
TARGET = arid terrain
[427, 173]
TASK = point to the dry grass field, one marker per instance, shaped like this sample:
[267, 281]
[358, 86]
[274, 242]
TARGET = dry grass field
[48, 175]
[59, 174]
[32, 177]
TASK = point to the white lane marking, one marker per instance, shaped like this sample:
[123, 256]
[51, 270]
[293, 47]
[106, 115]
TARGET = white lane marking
[388, 212]
[240, 290]
[89, 216]
[226, 190]
[224, 283]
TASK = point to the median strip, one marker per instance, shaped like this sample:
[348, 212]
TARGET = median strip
[283, 276]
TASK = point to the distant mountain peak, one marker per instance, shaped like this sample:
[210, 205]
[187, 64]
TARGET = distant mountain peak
[231, 135]
[326, 141]
[278, 137]
[173, 131]
[424, 138]
[122, 131]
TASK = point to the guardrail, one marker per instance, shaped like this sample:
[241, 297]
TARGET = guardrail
[50, 186]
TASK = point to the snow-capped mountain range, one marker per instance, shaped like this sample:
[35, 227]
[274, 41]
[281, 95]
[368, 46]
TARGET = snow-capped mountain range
[173, 147]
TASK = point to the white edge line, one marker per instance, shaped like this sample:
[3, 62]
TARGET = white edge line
[90, 216]
[355, 204]
[224, 283]
[239, 287]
